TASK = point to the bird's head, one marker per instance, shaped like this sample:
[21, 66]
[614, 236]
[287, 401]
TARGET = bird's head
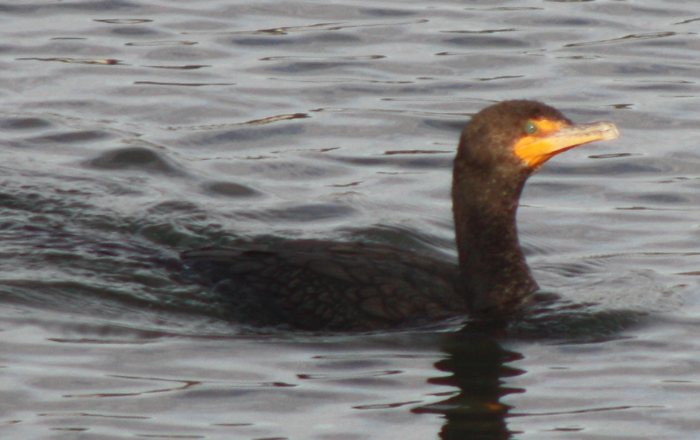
[525, 134]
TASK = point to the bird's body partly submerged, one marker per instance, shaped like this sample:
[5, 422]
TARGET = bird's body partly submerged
[322, 285]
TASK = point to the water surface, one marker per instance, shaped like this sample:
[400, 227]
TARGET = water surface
[133, 130]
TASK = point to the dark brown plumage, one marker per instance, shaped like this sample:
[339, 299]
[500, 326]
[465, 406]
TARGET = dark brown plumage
[321, 285]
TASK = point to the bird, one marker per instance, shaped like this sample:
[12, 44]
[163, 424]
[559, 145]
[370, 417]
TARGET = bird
[317, 285]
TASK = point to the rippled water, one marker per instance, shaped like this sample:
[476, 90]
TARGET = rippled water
[133, 130]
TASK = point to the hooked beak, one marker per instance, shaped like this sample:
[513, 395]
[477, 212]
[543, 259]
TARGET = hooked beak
[536, 149]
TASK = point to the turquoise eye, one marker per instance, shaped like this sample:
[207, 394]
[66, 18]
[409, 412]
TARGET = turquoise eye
[530, 127]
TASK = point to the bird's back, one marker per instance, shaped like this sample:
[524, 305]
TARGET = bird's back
[318, 285]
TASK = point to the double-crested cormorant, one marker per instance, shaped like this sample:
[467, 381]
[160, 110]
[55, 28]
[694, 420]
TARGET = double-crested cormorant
[321, 285]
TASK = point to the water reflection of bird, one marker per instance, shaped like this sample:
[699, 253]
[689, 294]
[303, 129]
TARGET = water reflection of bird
[316, 285]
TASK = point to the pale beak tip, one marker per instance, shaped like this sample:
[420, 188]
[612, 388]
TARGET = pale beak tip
[608, 131]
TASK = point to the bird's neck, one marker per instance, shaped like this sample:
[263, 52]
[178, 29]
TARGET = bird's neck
[494, 276]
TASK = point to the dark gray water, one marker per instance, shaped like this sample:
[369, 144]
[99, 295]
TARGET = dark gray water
[133, 130]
